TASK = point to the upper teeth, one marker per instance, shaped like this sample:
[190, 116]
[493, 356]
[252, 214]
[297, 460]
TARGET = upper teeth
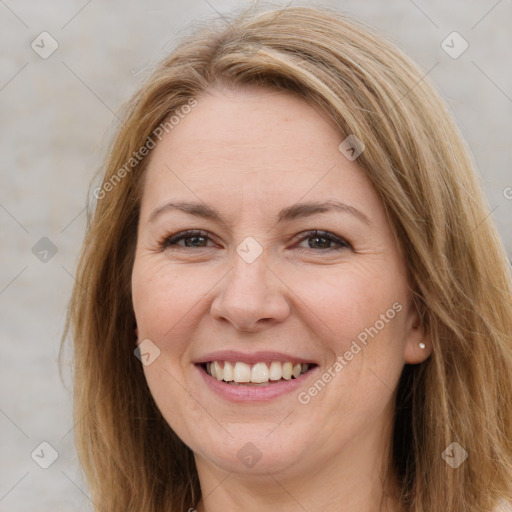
[258, 373]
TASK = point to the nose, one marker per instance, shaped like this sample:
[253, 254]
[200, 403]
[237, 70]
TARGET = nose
[251, 296]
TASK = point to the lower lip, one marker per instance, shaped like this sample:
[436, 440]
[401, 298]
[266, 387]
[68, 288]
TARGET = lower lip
[253, 393]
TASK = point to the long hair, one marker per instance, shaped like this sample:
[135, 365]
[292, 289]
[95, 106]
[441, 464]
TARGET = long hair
[417, 162]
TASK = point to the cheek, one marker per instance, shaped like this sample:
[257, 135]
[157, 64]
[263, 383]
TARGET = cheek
[362, 312]
[349, 299]
[165, 296]
[166, 300]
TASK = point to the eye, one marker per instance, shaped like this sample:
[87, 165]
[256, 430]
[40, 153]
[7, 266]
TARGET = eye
[198, 239]
[324, 238]
[193, 238]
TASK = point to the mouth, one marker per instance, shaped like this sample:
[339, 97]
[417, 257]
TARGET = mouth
[259, 374]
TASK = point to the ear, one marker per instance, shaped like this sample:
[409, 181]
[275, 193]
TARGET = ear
[416, 334]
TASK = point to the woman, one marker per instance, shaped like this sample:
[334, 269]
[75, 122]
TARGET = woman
[290, 238]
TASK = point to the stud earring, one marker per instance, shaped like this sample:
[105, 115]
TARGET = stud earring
[422, 345]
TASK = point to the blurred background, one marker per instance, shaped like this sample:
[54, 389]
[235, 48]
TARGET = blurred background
[66, 69]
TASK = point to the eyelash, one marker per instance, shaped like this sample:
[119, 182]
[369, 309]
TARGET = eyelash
[171, 240]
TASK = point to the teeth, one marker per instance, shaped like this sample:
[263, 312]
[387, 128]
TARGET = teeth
[287, 370]
[219, 373]
[242, 372]
[260, 373]
[275, 370]
[228, 372]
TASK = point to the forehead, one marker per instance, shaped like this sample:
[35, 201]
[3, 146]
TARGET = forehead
[254, 146]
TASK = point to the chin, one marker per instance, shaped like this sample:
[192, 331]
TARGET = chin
[255, 458]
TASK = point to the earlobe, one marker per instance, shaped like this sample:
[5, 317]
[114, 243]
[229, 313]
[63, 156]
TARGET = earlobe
[418, 345]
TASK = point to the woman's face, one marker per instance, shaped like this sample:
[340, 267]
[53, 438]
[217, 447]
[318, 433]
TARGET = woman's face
[257, 289]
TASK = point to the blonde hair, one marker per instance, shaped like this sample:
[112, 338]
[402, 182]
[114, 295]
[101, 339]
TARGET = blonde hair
[416, 159]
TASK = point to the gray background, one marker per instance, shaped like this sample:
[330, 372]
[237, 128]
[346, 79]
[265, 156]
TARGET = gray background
[58, 115]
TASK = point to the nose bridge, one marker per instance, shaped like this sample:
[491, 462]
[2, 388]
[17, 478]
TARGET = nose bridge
[250, 268]
[250, 292]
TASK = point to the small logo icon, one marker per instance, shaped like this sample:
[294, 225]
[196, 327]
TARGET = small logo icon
[249, 250]
[351, 147]
[454, 45]
[454, 455]
[44, 250]
[147, 352]
[44, 45]
[249, 455]
[44, 455]
[252, 49]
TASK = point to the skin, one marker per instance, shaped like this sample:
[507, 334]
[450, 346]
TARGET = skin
[249, 153]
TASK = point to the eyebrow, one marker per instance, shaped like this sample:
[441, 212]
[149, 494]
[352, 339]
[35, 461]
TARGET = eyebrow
[295, 211]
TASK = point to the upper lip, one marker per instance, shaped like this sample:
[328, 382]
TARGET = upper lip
[251, 358]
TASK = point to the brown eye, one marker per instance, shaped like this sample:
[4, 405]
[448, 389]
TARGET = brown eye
[324, 240]
[192, 238]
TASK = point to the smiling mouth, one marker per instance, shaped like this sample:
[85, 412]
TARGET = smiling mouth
[259, 374]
